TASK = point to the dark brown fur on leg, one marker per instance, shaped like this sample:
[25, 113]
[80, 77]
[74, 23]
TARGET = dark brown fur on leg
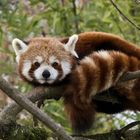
[81, 118]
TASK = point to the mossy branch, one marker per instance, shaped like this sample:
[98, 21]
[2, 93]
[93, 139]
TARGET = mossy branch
[10, 112]
[30, 107]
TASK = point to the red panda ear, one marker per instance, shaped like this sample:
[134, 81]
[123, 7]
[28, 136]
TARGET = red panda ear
[19, 46]
[71, 44]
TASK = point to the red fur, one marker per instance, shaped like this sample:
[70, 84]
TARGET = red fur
[129, 97]
[78, 95]
[80, 118]
[96, 73]
[94, 41]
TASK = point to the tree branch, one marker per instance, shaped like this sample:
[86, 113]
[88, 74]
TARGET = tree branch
[122, 14]
[10, 112]
[129, 126]
[29, 106]
[129, 76]
[109, 96]
[114, 135]
[75, 16]
[122, 134]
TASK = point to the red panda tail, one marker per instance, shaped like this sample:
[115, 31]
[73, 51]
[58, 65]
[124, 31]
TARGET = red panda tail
[81, 118]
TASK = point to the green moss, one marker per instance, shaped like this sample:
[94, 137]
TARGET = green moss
[23, 133]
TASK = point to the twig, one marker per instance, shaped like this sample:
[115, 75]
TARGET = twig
[116, 134]
[75, 16]
[130, 76]
[9, 113]
[107, 96]
[122, 14]
[29, 106]
[126, 128]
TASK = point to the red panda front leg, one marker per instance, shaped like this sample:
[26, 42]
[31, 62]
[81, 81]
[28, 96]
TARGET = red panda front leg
[81, 118]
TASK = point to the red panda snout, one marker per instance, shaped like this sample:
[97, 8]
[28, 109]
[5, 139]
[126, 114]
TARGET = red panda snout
[46, 74]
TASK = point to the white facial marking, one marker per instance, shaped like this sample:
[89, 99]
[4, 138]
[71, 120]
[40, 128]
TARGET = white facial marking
[38, 74]
[66, 67]
[53, 59]
[39, 59]
[25, 70]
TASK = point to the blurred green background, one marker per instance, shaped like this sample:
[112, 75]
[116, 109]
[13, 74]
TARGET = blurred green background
[25, 19]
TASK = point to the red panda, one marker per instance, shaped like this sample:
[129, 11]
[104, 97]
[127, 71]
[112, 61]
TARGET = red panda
[46, 61]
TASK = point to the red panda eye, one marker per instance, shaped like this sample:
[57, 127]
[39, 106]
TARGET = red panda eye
[55, 64]
[36, 64]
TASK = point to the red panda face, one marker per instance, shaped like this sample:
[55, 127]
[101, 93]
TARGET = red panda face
[45, 60]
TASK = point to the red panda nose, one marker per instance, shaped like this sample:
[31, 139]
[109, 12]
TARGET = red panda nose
[46, 74]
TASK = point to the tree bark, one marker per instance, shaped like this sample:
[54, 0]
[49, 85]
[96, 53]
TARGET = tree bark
[16, 132]
[9, 113]
[29, 106]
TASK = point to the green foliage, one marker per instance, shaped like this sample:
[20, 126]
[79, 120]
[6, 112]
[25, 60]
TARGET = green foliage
[28, 19]
[56, 111]
[25, 133]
